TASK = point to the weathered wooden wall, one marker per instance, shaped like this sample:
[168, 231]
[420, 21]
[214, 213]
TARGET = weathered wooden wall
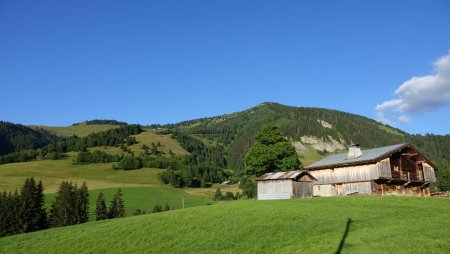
[400, 190]
[275, 189]
[428, 172]
[384, 168]
[302, 189]
[406, 168]
[360, 173]
[344, 189]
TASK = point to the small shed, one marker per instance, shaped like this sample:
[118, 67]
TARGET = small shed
[285, 185]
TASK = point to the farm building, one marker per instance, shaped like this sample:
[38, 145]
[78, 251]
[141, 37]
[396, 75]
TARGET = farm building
[391, 170]
[285, 185]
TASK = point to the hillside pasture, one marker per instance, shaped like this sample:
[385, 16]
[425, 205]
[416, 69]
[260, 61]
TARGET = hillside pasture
[148, 138]
[144, 198]
[317, 225]
[80, 130]
[53, 172]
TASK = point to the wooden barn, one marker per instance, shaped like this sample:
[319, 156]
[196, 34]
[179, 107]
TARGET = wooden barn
[391, 170]
[285, 185]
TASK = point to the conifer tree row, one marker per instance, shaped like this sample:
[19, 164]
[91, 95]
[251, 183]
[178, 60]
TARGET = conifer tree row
[23, 211]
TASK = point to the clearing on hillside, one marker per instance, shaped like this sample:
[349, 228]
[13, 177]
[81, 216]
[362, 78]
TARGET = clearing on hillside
[80, 130]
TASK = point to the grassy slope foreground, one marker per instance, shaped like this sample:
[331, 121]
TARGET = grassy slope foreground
[319, 225]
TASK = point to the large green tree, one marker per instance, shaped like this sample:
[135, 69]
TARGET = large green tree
[271, 152]
[443, 178]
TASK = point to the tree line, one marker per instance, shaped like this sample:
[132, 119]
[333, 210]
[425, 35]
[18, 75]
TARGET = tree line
[17, 137]
[100, 122]
[25, 211]
[113, 137]
[202, 167]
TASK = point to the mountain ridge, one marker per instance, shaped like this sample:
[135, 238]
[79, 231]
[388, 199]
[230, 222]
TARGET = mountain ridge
[315, 132]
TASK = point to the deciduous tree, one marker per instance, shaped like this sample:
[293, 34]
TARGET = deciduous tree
[271, 152]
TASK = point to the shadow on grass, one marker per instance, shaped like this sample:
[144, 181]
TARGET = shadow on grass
[344, 236]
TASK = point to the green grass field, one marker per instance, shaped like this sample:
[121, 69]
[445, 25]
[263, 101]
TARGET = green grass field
[53, 172]
[79, 130]
[147, 137]
[309, 155]
[144, 198]
[318, 225]
[141, 188]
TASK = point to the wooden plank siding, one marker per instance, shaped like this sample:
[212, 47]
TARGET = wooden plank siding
[360, 173]
[302, 189]
[428, 172]
[403, 172]
[275, 189]
[344, 189]
[298, 187]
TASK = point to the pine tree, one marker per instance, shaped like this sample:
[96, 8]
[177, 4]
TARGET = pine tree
[117, 209]
[62, 212]
[101, 212]
[42, 221]
[82, 204]
[9, 214]
[33, 215]
[218, 195]
[27, 205]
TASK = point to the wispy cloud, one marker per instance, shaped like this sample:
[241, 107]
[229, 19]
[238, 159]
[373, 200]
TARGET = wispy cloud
[418, 95]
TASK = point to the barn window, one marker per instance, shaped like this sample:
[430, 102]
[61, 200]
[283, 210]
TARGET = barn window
[396, 168]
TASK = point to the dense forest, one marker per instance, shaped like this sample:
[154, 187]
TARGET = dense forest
[17, 137]
[235, 132]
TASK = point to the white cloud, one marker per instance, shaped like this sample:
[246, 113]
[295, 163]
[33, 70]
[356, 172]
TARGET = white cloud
[418, 95]
[403, 119]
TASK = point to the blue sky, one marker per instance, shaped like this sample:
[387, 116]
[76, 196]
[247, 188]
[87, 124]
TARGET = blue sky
[166, 61]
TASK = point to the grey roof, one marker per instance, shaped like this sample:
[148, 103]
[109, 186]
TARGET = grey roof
[369, 155]
[284, 175]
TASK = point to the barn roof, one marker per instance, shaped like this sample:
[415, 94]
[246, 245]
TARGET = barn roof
[368, 156]
[284, 175]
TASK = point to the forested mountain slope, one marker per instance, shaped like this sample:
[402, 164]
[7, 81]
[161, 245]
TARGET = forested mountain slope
[321, 129]
[16, 137]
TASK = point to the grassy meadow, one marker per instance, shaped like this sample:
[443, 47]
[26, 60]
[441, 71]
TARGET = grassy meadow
[318, 225]
[147, 138]
[141, 188]
[53, 172]
[80, 130]
[144, 198]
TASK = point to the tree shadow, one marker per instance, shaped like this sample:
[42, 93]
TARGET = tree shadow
[344, 236]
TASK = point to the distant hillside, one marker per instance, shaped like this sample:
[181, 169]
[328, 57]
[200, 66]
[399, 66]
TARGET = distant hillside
[101, 121]
[17, 137]
[80, 130]
[314, 131]
[316, 225]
